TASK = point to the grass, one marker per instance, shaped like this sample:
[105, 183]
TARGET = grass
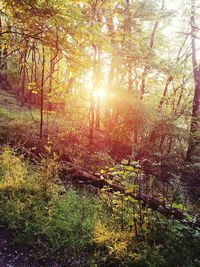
[16, 121]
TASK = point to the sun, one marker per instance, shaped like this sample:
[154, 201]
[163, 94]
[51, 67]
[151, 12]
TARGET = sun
[100, 93]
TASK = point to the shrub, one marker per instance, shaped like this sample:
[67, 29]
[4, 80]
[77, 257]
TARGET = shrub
[54, 223]
[72, 222]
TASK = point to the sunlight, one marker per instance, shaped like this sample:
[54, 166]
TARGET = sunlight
[100, 93]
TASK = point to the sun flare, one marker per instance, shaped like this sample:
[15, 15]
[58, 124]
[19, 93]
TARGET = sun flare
[100, 93]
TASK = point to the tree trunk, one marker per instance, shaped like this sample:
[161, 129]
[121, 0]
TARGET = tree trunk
[151, 45]
[194, 139]
[24, 73]
[110, 81]
[0, 44]
[42, 95]
[169, 79]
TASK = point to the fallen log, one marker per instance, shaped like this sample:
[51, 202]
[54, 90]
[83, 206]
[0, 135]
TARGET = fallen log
[79, 174]
[155, 204]
[28, 153]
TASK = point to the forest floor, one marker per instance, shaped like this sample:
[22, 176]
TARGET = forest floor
[18, 255]
[10, 104]
[12, 256]
[25, 120]
[15, 118]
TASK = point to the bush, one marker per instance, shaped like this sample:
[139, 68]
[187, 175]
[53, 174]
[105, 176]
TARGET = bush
[133, 235]
[72, 222]
[52, 222]
[168, 243]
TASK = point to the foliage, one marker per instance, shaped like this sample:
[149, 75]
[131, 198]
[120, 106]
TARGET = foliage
[111, 230]
[53, 224]
[166, 243]
[134, 235]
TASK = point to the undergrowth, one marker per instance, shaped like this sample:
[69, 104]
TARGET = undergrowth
[75, 226]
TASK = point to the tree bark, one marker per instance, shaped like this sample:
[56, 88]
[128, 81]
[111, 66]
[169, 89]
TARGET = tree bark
[169, 79]
[194, 139]
[42, 95]
[0, 44]
[24, 73]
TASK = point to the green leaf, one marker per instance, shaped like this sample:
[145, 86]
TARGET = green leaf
[131, 199]
[124, 162]
[129, 168]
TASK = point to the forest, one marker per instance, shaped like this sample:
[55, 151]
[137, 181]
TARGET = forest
[99, 133]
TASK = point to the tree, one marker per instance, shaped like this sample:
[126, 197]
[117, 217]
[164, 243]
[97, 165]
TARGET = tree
[194, 140]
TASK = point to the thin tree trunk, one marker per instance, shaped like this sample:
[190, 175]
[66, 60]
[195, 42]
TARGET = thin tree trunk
[96, 85]
[0, 44]
[42, 95]
[169, 79]
[151, 45]
[24, 73]
[109, 86]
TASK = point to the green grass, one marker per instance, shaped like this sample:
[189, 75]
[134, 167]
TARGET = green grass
[16, 121]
